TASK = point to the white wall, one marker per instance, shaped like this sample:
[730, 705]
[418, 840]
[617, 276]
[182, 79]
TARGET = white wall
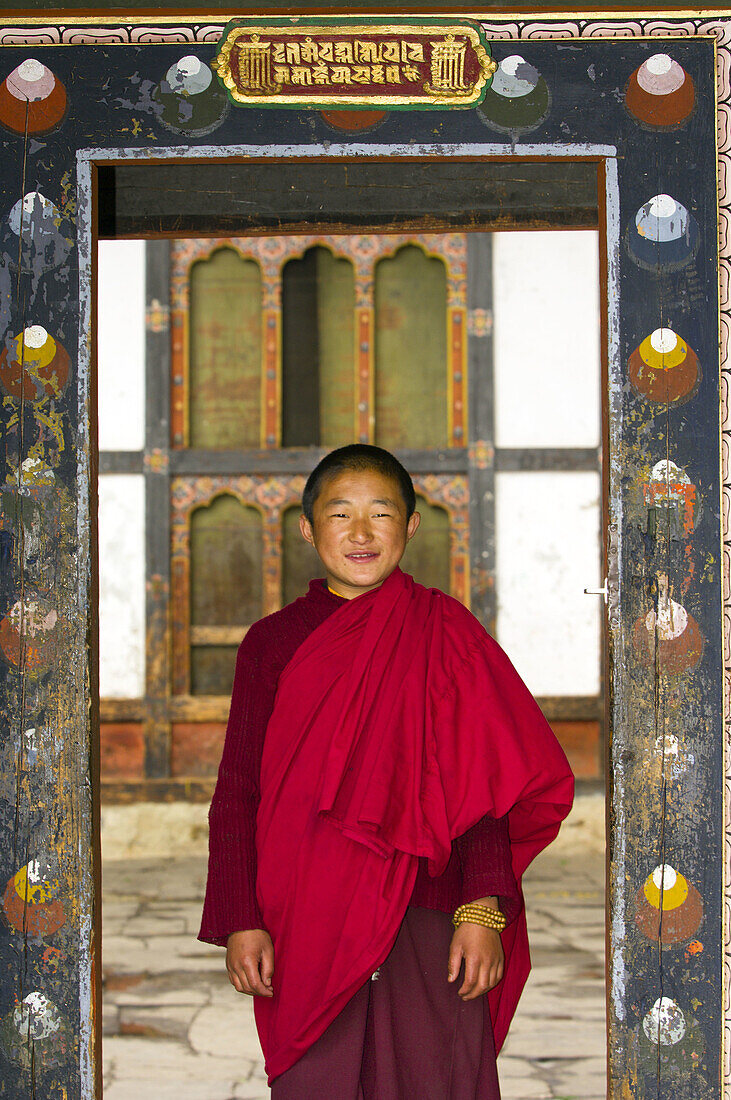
[546, 317]
[122, 586]
[121, 385]
[547, 553]
[121, 345]
[547, 394]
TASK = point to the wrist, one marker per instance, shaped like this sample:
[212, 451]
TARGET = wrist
[488, 916]
[489, 902]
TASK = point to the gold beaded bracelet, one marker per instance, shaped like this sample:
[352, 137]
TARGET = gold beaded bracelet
[480, 914]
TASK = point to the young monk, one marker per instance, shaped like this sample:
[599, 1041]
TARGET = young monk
[385, 781]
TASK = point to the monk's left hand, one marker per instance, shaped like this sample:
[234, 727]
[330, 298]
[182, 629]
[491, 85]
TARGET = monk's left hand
[484, 960]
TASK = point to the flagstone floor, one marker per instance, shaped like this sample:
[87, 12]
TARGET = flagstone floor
[175, 1029]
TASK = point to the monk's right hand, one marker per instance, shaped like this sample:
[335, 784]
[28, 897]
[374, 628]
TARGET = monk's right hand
[250, 962]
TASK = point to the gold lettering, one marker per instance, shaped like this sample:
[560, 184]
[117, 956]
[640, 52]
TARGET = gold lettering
[447, 65]
[326, 51]
[362, 74]
[377, 74]
[412, 51]
[293, 53]
[301, 75]
[321, 74]
[410, 73]
[390, 51]
[366, 51]
[254, 65]
[393, 74]
[340, 74]
[281, 74]
[278, 56]
[344, 53]
[309, 51]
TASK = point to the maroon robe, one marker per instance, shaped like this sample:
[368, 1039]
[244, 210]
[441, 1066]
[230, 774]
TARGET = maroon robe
[480, 861]
[397, 725]
[406, 1034]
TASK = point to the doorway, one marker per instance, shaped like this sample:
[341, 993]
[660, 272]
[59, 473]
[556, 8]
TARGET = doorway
[518, 465]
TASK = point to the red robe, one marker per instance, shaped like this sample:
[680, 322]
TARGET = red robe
[397, 725]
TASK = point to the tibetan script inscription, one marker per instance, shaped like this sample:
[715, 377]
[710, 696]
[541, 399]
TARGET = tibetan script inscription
[273, 63]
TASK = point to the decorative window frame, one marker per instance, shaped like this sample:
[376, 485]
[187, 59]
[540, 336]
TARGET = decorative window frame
[363, 251]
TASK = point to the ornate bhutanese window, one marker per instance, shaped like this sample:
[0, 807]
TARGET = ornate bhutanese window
[224, 359]
[296, 343]
[228, 366]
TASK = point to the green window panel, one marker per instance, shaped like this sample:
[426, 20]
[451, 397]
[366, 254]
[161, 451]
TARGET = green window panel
[411, 350]
[427, 555]
[300, 563]
[226, 563]
[225, 353]
[318, 349]
[226, 551]
[212, 669]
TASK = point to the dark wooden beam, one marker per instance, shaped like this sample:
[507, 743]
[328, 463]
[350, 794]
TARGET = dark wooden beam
[206, 709]
[121, 462]
[128, 792]
[214, 708]
[455, 460]
[571, 708]
[350, 195]
[156, 790]
[295, 460]
[199, 708]
[547, 458]
[157, 508]
[122, 710]
[481, 429]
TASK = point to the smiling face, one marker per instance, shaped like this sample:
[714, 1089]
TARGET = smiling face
[360, 530]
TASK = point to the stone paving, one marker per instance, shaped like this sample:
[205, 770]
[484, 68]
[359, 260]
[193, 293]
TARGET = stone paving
[175, 1029]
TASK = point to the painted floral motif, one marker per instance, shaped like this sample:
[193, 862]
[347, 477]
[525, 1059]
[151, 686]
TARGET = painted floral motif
[32, 99]
[517, 101]
[664, 369]
[31, 904]
[663, 235]
[35, 365]
[660, 94]
[190, 100]
[669, 636]
[668, 906]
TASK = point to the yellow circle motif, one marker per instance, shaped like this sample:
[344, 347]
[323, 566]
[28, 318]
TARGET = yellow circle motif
[663, 360]
[35, 893]
[37, 357]
[672, 896]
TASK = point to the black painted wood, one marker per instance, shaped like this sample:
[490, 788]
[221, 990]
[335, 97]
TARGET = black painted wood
[207, 199]
[547, 458]
[293, 460]
[481, 433]
[157, 509]
[121, 462]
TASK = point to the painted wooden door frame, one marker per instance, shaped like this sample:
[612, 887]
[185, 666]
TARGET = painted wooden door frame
[668, 976]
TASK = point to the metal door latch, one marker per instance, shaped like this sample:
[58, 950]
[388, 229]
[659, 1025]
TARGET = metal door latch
[603, 592]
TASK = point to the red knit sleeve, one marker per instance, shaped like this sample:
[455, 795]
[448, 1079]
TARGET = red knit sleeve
[230, 902]
[484, 853]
